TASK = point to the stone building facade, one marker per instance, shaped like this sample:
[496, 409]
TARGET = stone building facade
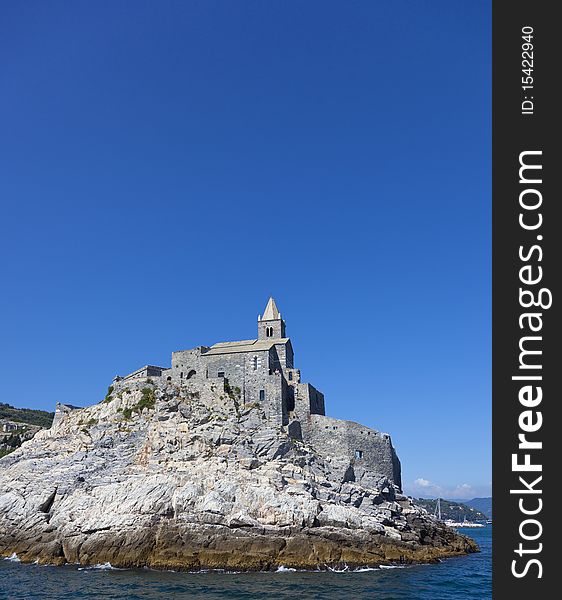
[262, 371]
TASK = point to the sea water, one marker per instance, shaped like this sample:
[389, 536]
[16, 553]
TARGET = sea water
[463, 578]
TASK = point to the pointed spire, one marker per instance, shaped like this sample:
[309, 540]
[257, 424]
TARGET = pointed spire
[271, 312]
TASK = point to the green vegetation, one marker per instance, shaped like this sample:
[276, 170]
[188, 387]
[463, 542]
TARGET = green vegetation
[108, 397]
[148, 401]
[484, 505]
[234, 394]
[14, 441]
[9, 442]
[42, 418]
[451, 510]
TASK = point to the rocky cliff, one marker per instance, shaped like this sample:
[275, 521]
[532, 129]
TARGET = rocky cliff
[181, 477]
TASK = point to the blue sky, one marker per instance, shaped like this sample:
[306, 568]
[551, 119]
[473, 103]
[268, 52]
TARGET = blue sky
[166, 166]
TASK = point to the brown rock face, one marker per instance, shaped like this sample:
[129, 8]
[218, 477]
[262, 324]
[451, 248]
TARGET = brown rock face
[218, 547]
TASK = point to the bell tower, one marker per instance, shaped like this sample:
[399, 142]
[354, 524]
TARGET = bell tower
[271, 325]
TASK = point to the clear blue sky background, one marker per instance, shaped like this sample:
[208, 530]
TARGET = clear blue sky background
[166, 166]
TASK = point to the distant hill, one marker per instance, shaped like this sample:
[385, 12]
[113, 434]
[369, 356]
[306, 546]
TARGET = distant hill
[451, 509]
[42, 418]
[17, 425]
[484, 505]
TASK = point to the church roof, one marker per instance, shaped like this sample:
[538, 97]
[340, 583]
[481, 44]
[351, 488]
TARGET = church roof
[241, 343]
[271, 312]
[244, 346]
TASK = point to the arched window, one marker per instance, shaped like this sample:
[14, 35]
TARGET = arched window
[169, 379]
[190, 374]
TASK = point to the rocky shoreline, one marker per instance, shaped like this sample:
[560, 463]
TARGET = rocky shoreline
[219, 548]
[174, 477]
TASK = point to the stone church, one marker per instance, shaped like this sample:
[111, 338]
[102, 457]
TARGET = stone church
[262, 371]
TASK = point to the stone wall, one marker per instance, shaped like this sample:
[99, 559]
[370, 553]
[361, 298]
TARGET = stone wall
[277, 325]
[61, 410]
[307, 400]
[244, 370]
[249, 375]
[283, 358]
[187, 364]
[144, 372]
[358, 452]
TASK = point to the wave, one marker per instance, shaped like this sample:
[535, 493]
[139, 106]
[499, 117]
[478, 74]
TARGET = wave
[344, 569]
[12, 558]
[100, 567]
[203, 571]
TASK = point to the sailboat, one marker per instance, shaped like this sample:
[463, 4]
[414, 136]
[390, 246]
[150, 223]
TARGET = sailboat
[437, 511]
[454, 524]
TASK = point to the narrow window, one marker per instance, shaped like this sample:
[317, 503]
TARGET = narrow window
[255, 363]
[358, 453]
[220, 374]
[262, 395]
[181, 375]
[290, 376]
